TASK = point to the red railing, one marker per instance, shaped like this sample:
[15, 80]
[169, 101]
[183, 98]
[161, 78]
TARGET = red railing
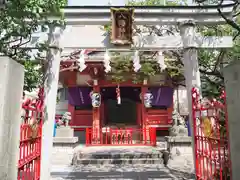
[122, 137]
[210, 121]
[30, 139]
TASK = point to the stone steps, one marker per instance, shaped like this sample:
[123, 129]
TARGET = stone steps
[119, 161]
[120, 155]
[134, 155]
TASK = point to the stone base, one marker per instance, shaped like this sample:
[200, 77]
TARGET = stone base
[64, 140]
[63, 148]
[64, 131]
[178, 145]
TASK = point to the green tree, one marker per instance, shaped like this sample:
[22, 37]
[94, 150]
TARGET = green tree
[33, 75]
[231, 21]
[211, 62]
[19, 20]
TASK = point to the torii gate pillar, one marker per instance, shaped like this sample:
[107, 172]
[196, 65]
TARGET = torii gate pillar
[50, 91]
[191, 68]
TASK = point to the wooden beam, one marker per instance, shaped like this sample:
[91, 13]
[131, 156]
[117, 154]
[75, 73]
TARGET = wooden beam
[155, 15]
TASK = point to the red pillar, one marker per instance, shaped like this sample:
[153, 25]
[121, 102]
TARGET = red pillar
[145, 128]
[96, 118]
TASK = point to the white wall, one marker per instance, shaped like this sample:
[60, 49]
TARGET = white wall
[62, 105]
[180, 100]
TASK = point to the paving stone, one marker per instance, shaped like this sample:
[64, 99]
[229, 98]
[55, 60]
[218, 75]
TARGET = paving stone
[179, 168]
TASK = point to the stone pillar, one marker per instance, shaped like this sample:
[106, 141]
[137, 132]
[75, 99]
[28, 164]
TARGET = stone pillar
[11, 90]
[232, 83]
[191, 68]
[50, 88]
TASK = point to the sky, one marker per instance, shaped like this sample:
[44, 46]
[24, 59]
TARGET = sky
[95, 2]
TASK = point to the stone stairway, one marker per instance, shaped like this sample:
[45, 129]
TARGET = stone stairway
[118, 163]
[117, 155]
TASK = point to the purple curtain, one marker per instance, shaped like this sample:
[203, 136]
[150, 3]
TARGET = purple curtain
[78, 96]
[162, 96]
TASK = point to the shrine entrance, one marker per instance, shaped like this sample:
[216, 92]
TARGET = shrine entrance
[125, 113]
[122, 39]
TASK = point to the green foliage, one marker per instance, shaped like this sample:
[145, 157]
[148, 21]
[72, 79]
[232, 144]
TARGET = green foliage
[19, 20]
[32, 76]
[122, 69]
[213, 62]
[155, 3]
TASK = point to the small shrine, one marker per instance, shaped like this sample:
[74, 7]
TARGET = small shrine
[118, 92]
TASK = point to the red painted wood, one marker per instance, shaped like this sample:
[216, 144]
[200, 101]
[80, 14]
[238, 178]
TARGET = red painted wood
[122, 137]
[96, 125]
[139, 114]
[102, 114]
[83, 118]
[72, 111]
[80, 117]
[31, 138]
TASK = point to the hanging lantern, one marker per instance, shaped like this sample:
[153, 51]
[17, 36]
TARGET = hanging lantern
[106, 62]
[161, 61]
[81, 61]
[96, 99]
[136, 61]
[118, 95]
[147, 99]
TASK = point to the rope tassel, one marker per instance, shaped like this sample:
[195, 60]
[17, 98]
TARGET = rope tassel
[161, 61]
[118, 95]
[107, 59]
[136, 61]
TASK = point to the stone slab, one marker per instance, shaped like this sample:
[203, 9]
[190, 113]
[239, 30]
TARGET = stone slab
[11, 90]
[178, 139]
[65, 140]
[232, 83]
[64, 132]
[120, 172]
[117, 155]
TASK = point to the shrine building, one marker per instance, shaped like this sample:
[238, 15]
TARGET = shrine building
[123, 105]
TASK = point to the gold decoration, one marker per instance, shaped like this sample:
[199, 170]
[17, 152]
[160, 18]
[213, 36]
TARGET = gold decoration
[122, 19]
[207, 126]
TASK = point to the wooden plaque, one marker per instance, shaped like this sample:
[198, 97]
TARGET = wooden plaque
[122, 21]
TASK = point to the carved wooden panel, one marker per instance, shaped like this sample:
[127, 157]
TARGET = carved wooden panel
[122, 20]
